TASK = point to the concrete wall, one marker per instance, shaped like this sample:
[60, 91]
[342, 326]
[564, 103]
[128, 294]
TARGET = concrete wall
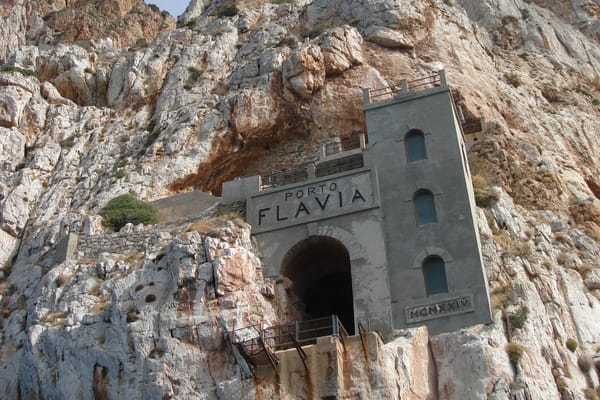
[454, 237]
[173, 208]
[356, 225]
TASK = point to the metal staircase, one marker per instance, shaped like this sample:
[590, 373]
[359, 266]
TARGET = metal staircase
[258, 346]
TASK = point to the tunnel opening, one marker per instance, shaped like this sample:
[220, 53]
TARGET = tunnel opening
[319, 268]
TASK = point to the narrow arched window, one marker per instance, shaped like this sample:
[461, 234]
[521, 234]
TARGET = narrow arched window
[434, 271]
[424, 207]
[414, 143]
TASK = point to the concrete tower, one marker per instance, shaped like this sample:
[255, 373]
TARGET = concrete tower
[427, 207]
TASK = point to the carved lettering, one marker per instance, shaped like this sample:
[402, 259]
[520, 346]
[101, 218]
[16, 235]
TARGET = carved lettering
[438, 310]
[324, 204]
[312, 201]
[301, 208]
[357, 195]
[278, 217]
[261, 215]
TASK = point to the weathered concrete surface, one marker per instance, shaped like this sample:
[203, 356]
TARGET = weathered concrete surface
[170, 209]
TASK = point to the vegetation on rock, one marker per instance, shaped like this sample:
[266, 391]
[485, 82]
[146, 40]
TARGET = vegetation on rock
[22, 71]
[228, 10]
[517, 319]
[127, 208]
[515, 353]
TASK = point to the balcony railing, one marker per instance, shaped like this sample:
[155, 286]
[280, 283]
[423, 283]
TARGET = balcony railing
[338, 165]
[405, 86]
[284, 177]
[285, 336]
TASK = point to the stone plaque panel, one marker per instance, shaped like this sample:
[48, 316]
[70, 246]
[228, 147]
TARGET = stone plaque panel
[312, 200]
[439, 309]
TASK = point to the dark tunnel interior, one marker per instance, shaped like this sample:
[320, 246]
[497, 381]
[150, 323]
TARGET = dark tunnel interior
[319, 268]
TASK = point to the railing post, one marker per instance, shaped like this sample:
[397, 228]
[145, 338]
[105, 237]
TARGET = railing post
[297, 331]
[442, 75]
[363, 140]
[403, 86]
[366, 96]
[334, 325]
[310, 170]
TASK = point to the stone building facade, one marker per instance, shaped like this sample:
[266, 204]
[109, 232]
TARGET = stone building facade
[385, 235]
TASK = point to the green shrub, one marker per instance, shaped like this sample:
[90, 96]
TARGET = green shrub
[67, 143]
[517, 320]
[571, 344]
[228, 10]
[317, 30]
[288, 41]
[512, 78]
[590, 394]
[120, 173]
[151, 125]
[283, 1]
[152, 137]
[585, 363]
[195, 73]
[22, 71]
[515, 353]
[525, 13]
[127, 208]
[156, 352]
[132, 315]
[485, 196]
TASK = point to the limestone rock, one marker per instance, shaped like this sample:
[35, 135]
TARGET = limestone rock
[12, 148]
[389, 38]
[7, 248]
[52, 95]
[13, 28]
[342, 48]
[303, 72]
[410, 356]
[254, 112]
[469, 365]
[15, 93]
[16, 207]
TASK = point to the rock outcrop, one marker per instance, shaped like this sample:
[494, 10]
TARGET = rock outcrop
[103, 98]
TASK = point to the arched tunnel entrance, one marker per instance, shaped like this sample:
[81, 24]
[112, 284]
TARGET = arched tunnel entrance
[319, 268]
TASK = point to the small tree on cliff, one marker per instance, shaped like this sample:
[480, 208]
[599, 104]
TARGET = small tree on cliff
[127, 208]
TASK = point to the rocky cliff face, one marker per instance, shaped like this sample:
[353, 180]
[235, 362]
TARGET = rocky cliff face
[100, 98]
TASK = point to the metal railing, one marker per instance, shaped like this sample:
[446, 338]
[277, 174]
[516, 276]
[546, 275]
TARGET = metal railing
[426, 82]
[282, 337]
[284, 178]
[351, 143]
[285, 336]
[437, 78]
[338, 165]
